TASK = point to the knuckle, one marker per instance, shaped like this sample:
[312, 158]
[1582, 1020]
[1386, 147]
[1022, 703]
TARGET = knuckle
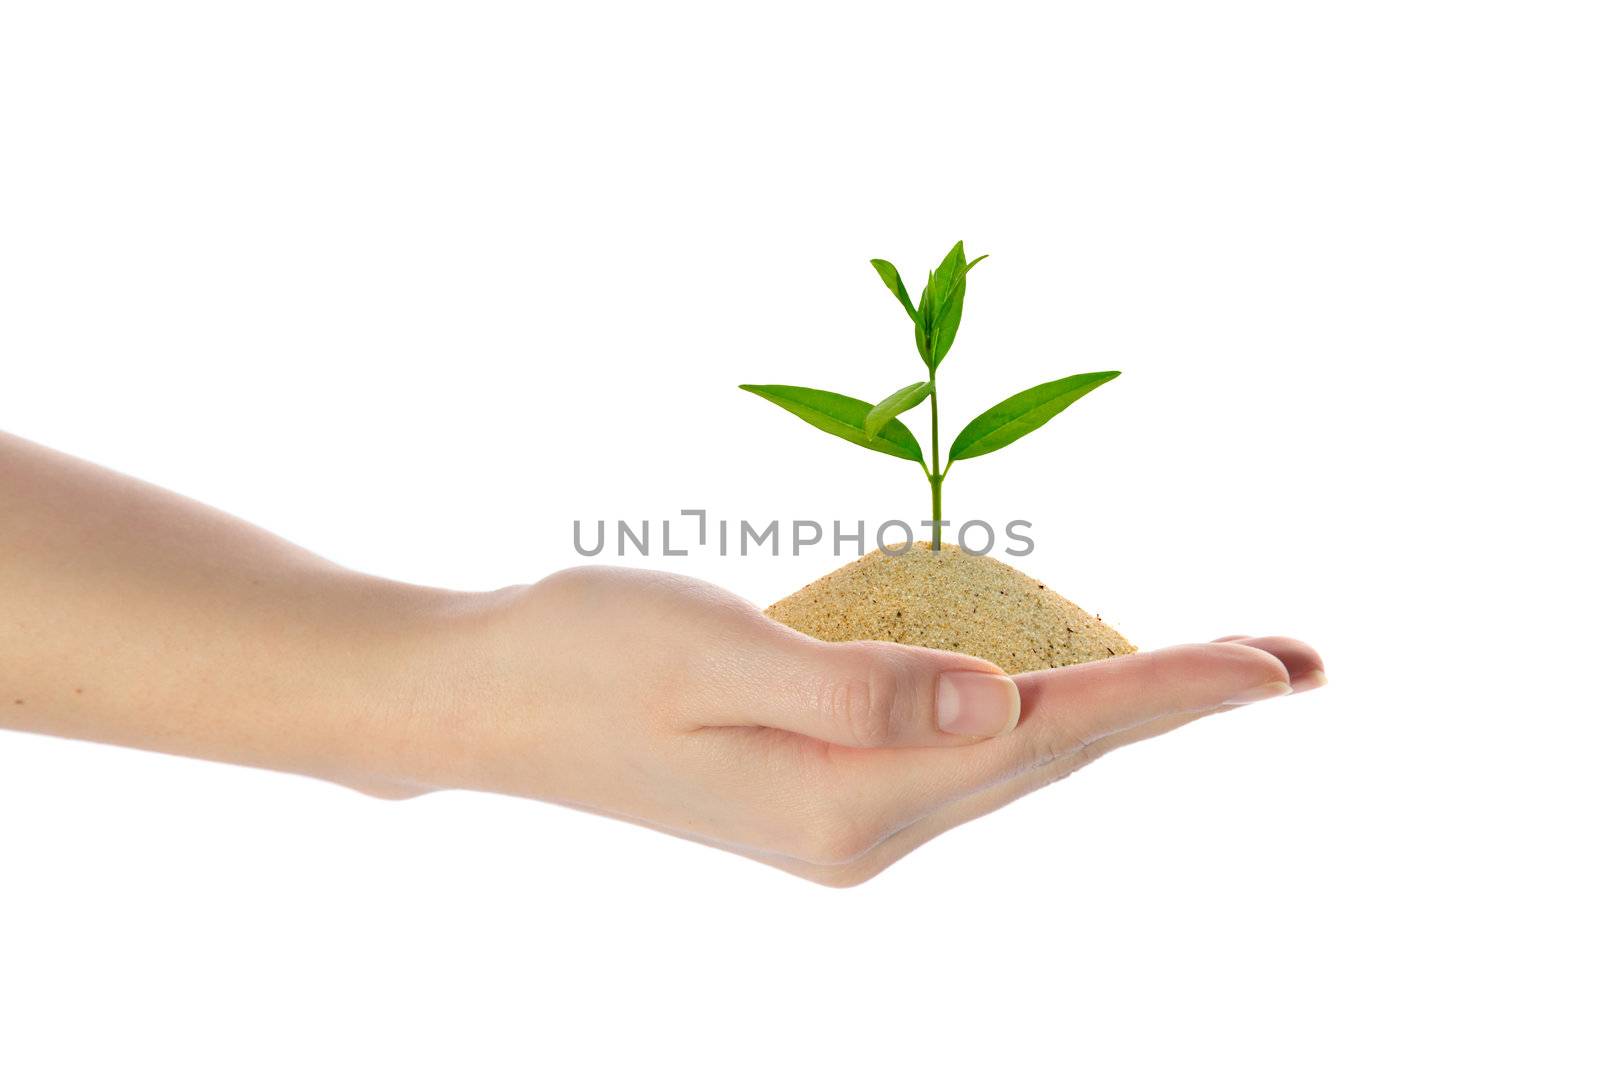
[1055, 748]
[569, 579]
[861, 709]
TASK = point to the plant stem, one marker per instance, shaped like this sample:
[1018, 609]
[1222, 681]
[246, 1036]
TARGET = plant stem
[936, 479]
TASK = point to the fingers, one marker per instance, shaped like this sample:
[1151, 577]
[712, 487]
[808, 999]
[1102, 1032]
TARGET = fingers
[1300, 659]
[915, 796]
[1068, 708]
[911, 831]
[887, 803]
[898, 844]
[895, 846]
[873, 694]
[869, 694]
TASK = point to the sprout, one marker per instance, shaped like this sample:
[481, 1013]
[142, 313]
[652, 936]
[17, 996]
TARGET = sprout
[936, 316]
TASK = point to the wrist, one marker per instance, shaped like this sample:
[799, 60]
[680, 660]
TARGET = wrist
[438, 674]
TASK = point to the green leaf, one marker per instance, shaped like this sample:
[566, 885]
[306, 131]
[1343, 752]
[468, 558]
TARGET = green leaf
[950, 292]
[1024, 413]
[950, 271]
[925, 322]
[948, 322]
[843, 416]
[896, 403]
[891, 278]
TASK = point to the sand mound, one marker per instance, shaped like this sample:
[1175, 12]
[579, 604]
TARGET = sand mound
[952, 600]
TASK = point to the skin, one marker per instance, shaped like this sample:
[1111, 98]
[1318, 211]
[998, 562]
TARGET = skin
[134, 616]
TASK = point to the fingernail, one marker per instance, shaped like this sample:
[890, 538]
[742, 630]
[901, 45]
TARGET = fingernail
[975, 704]
[1310, 680]
[1261, 692]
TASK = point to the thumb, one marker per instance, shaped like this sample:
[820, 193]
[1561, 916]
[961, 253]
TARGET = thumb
[874, 694]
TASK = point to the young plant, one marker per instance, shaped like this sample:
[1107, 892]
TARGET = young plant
[936, 317]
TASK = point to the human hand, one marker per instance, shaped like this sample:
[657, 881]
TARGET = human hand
[137, 617]
[670, 703]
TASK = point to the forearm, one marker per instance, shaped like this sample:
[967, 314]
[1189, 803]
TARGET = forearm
[134, 616]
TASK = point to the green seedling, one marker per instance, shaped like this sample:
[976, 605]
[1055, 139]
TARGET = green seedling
[936, 316]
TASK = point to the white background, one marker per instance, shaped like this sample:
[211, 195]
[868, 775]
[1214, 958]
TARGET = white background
[416, 285]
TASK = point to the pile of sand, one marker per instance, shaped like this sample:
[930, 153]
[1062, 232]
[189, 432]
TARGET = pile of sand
[953, 600]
